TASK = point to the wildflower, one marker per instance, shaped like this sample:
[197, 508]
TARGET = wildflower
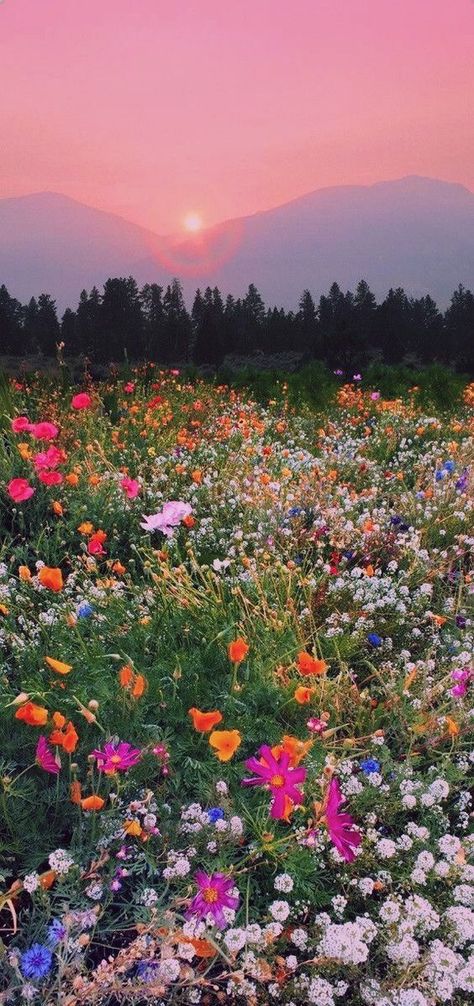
[339, 826]
[92, 803]
[44, 431]
[85, 610]
[213, 895]
[20, 490]
[24, 573]
[303, 694]
[36, 962]
[462, 677]
[369, 765]
[35, 716]
[117, 757]
[51, 578]
[168, 518]
[278, 776]
[130, 487]
[237, 650]
[95, 546]
[225, 743]
[203, 722]
[307, 665]
[81, 401]
[374, 639]
[215, 814]
[56, 931]
[20, 424]
[57, 665]
[45, 758]
[316, 725]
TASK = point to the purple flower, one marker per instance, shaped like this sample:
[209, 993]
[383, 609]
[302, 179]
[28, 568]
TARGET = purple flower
[462, 676]
[36, 962]
[212, 896]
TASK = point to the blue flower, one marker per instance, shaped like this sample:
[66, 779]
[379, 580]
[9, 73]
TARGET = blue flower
[374, 639]
[295, 511]
[36, 962]
[449, 466]
[56, 932]
[439, 475]
[85, 610]
[215, 814]
[147, 970]
[370, 765]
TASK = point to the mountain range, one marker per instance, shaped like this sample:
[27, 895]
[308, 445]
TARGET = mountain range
[413, 232]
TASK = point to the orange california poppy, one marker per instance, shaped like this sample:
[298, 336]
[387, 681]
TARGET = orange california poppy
[47, 879]
[92, 803]
[24, 573]
[35, 716]
[204, 721]
[51, 577]
[72, 479]
[57, 508]
[303, 694]
[86, 527]
[237, 650]
[57, 665]
[225, 743]
[296, 749]
[118, 568]
[125, 676]
[308, 665]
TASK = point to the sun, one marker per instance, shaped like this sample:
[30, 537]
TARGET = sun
[192, 222]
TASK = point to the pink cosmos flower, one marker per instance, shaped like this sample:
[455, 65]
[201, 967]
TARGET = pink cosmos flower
[81, 401]
[117, 757]
[44, 431]
[44, 757]
[130, 487]
[20, 424]
[168, 518]
[278, 776]
[339, 826]
[20, 490]
[213, 895]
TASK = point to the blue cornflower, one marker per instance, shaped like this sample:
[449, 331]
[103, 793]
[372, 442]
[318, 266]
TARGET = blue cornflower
[215, 814]
[439, 475]
[36, 962]
[56, 931]
[449, 466]
[147, 970]
[374, 639]
[295, 511]
[85, 610]
[369, 765]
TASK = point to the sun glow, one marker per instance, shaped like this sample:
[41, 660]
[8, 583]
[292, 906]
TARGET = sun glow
[192, 222]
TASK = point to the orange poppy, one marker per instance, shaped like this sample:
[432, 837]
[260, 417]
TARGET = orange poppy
[72, 479]
[51, 577]
[296, 749]
[225, 743]
[57, 665]
[47, 879]
[204, 721]
[57, 508]
[303, 694]
[24, 573]
[92, 803]
[86, 527]
[308, 665]
[65, 736]
[237, 650]
[118, 568]
[35, 716]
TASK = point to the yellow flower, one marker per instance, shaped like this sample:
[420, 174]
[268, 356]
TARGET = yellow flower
[57, 665]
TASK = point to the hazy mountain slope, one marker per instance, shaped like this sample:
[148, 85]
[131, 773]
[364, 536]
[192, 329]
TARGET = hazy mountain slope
[413, 232]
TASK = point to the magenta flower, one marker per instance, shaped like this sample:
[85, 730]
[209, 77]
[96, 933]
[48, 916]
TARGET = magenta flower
[213, 895]
[117, 757]
[278, 776]
[339, 826]
[167, 518]
[130, 487]
[44, 757]
[462, 677]
[20, 424]
[20, 490]
[44, 431]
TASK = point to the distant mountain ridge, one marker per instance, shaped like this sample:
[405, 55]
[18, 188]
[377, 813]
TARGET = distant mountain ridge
[413, 232]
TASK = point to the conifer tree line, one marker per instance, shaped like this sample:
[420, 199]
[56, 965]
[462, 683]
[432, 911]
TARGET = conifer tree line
[153, 323]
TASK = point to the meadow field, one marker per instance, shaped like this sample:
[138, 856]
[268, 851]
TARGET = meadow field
[236, 695]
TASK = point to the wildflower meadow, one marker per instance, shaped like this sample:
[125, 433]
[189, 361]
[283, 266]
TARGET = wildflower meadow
[236, 695]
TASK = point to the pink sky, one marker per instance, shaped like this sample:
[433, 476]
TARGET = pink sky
[156, 108]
